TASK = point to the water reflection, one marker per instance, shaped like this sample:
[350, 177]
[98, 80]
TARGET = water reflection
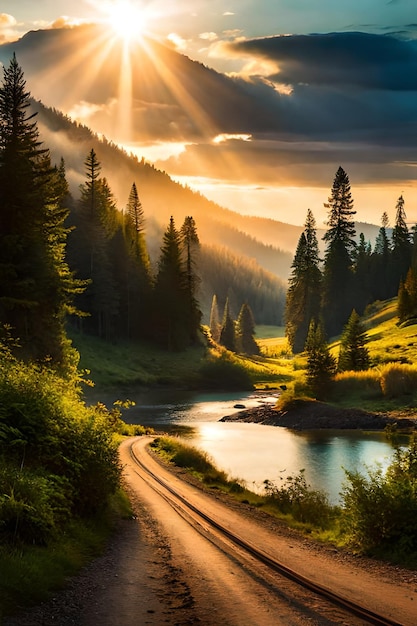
[254, 452]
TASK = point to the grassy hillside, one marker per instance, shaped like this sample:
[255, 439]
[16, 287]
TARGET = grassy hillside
[389, 385]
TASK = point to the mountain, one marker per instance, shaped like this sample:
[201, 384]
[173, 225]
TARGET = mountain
[161, 197]
[270, 243]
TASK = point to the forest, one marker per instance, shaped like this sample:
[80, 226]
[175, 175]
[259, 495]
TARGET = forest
[351, 275]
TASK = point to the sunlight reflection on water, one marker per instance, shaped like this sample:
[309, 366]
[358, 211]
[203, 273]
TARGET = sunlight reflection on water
[254, 452]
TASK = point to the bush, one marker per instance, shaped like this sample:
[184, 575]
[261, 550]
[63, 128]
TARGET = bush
[296, 498]
[59, 457]
[397, 380]
[32, 505]
[380, 510]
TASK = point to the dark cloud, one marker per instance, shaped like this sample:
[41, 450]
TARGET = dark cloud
[354, 59]
[270, 162]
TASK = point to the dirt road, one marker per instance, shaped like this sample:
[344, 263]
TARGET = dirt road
[164, 568]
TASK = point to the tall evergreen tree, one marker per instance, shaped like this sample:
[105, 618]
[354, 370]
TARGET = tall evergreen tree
[245, 331]
[321, 364]
[190, 248]
[339, 255]
[354, 354]
[135, 229]
[380, 263]
[401, 247]
[407, 296]
[138, 268]
[304, 292]
[170, 319]
[362, 293]
[96, 221]
[227, 332]
[36, 285]
[215, 326]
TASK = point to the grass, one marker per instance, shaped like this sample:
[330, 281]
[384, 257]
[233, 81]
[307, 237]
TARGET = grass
[269, 332]
[126, 363]
[391, 382]
[35, 573]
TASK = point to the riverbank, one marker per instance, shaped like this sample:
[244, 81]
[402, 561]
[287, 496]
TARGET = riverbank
[313, 415]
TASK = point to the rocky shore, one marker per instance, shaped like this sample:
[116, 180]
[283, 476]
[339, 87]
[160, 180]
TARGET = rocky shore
[312, 415]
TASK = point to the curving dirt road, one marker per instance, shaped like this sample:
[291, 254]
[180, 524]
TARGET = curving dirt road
[168, 567]
[227, 587]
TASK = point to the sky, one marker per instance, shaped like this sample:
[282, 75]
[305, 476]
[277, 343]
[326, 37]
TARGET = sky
[326, 84]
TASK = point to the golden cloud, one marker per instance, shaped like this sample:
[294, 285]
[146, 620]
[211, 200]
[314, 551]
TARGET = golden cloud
[7, 21]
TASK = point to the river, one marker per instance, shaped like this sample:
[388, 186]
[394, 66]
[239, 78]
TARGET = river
[254, 452]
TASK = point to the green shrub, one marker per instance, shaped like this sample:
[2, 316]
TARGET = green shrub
[295, 497]
[380, 510]
[32, 505]
[66, 452]
[398, 379]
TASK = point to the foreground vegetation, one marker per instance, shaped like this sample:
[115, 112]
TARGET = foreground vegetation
[376, 516]
[59, 478]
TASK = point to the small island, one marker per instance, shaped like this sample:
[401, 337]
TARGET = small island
[313, 415]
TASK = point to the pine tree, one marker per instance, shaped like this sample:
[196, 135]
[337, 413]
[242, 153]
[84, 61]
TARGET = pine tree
[304, 292]
[190, 248]
[135, 229]
[245, 331]
[97, 221]
[227, 332]
[407, 296]
[380, 263]
[339, 255]
[362, 285]
[215, 326]
[353, 354]
[170, 318]
[36, 285]
[138, 268]
[321, 365]
[401, 247]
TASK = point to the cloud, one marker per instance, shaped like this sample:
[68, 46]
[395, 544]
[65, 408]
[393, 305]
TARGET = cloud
[84, 111]
[208, 36]
[354, 59]
[304, 104]
[177, 42]
[64, 22]
[7, 21]
[8, 26]
[269, 162]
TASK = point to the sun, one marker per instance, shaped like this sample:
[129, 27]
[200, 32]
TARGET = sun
[126, 18]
